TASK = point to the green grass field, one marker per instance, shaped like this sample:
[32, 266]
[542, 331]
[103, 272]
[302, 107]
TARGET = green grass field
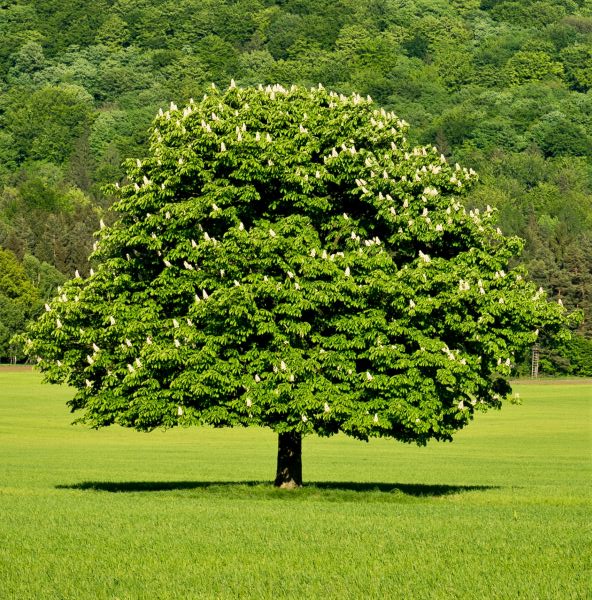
[502, 512]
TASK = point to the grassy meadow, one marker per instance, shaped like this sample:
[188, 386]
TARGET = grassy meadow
[502, 512]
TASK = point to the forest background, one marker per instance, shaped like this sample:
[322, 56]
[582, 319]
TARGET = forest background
[501, 86]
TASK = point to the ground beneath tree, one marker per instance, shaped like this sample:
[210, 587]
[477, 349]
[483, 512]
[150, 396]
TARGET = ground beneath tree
[15, 368]
[554, 381]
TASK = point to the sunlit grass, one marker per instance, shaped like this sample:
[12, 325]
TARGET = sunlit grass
[502, 512]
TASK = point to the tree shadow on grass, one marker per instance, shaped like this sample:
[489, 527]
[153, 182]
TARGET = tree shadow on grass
[329, 489]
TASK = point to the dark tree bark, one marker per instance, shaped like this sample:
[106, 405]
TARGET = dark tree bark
[289, 461]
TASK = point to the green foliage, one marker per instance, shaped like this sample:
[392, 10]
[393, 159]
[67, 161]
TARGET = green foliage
[577, 60]
[286, 258]
[219, 56]
[19, 301]
[533, 13]
[46, 123]
[51, 17]
[47, 217]
[29, 58]
[45, 277]
[113, 32]
[484, 80]
[531, 66]
[578, 352]
[556, 134]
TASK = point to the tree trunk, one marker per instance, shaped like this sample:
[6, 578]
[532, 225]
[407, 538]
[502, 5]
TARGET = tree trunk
[289, 461]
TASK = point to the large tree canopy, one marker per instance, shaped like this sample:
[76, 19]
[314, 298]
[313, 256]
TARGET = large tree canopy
[285, 258]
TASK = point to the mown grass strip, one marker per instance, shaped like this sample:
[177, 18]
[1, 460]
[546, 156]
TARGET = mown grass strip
[502, 512]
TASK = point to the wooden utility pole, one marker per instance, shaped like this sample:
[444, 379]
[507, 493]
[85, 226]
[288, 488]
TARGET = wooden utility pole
[534, 369]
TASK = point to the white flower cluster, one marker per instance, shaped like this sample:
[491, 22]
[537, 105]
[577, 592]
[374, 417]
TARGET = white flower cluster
[424, 257]
[449, 353]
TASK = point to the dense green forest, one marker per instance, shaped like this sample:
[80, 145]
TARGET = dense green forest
[502, 86]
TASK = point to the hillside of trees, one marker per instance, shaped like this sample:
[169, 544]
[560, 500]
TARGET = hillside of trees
[502, 86]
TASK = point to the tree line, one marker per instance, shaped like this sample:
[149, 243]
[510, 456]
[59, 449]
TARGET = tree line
[500, 86]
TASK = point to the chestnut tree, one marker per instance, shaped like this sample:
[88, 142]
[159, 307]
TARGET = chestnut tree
[286, 258]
